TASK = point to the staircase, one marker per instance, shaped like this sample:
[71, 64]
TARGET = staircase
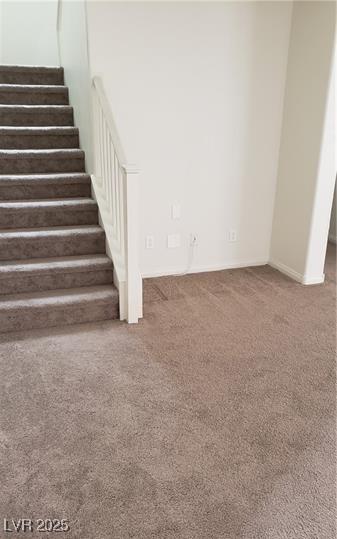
[53, 266]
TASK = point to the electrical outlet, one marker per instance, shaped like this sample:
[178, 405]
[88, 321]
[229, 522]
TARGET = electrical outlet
[173, 241]
[149, 242]
[233, 236]
[193, 240]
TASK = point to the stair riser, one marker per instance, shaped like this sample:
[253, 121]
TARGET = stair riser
[18, 283]
[41, 142]
[21, 192]
[44, 218]
[40, 165]
[45, 247]
[33, 98]
[46, 317]
[10, 77]
[28, 119]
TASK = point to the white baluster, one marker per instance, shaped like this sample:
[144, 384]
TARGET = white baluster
[118, 188]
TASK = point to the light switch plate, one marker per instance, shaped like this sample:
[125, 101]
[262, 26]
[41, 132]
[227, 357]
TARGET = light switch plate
[175, 211]
[149, 242]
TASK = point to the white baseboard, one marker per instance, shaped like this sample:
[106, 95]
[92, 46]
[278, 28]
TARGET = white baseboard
[201, 269]
[299, 277]
[333, 239]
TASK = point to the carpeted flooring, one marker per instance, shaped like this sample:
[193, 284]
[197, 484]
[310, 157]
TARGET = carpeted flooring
[213, 418]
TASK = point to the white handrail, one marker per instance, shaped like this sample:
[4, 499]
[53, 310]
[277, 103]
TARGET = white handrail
[115, 185]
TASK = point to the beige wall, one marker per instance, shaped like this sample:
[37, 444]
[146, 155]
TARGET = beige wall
[306, 163]
[75, 61]
[28, 32]
[196, 89]
[1, 33]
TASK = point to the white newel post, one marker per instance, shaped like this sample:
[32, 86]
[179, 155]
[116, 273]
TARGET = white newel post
[131, 226]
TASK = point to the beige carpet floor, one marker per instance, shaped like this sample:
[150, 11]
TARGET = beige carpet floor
[213, 418]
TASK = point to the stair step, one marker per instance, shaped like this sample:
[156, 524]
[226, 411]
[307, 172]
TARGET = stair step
[36, 115]
[44, 186]
[21, 244]
[46, 213]
[58, 308]
[34, 161]
[33, 94]
[26, 138]
[53, 266]
[20, 276]
[18, 74]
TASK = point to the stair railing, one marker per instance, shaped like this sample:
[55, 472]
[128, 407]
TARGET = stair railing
[115, 186]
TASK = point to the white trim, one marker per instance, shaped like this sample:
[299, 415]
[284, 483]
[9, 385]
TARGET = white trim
[308, 280]
[333, 239]
[299, 277]
[201, 269]
[116, 188]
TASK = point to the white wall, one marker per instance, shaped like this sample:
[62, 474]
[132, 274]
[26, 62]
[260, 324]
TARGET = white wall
[1, 32]
[333, 220]
[306, 168]
[29, 36]
[197, 93]
[323, 197]
[28, 32]
[74, 59]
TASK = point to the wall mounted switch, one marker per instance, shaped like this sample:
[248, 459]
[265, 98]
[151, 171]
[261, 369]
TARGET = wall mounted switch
[149, 242]
[175, 211]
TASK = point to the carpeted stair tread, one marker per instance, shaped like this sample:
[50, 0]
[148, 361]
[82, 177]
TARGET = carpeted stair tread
[59, 296]
[37, 213]
[27, 205]
[36, 115]
[51, 231]
[42, 130]
[27, 243]
[38, 137]
[44, 186]
[55, 265]
[47, 179]
[33, 94]
[34, 88]
[22, 74]
[58, 307]
[30, 68]
[64, 153]
[24, 276]
[34, 109]
[47, 160]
